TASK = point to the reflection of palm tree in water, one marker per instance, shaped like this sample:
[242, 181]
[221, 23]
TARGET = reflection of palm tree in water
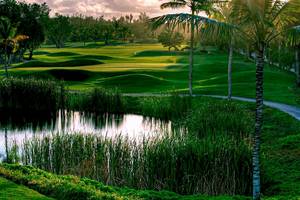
[6, 145]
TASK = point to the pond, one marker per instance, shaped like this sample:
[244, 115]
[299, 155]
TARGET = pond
[16, 128]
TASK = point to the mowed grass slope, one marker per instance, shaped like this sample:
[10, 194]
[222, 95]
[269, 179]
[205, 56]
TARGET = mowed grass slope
[12, 191]
[144, 68]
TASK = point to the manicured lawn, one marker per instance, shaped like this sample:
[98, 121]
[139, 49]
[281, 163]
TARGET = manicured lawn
[139, 68]
[12, 191]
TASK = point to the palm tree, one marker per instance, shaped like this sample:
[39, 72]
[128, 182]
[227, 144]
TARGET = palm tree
[6, 146]
[224, 29]
[6, 31]
[264, 20]
[195, 6]
[293, 40]
[10, 41]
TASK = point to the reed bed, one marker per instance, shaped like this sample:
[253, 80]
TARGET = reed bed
[212, 156]
[186, 165]
[209, 117]
[168, 108]
[30, 94]
[98, 100]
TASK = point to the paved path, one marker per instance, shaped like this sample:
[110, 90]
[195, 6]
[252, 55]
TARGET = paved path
[291, 110]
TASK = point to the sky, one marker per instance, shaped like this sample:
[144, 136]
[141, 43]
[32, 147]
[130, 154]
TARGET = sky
[106, 8]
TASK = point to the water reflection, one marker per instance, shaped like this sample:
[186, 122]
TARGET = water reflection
[19, 126]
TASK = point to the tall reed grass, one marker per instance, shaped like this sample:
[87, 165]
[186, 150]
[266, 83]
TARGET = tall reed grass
[209, 117]
[165, 107]
[212, 157]
[187, 165]
[98, 100]
[29, 94]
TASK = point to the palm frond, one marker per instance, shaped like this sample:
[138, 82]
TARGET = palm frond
[5, 27]
[221, 31]
[293, 36]
[183, 20]
[174, 4]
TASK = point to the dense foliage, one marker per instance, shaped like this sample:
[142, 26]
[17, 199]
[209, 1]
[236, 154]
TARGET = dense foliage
[27, 19]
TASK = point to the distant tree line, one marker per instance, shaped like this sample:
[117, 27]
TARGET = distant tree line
[33, 23]
[79, 28]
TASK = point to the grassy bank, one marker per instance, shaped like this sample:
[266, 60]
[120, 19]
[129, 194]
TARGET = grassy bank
[75, 188]
[10, 190]
[139, 68]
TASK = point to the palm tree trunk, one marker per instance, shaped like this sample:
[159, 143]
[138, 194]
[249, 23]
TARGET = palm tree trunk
[248, 52]
[191, 64]
[269, 57]
[6, 65]
[279, 56]
[230, 69]
[297, 65]
[258, 121]
[30, 54]
[6, 59]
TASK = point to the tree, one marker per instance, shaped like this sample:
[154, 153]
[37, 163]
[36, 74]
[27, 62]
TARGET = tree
[141, 28]
[170, 39]
[10, 41]
[32, 24]
[96, 29]
[36, 38]
[58, 30]
[28, 19]
[7, 31]
[264, 20]
[227, 33]
[293, 40]
[107, 32]
[11, 10]
[195, 6]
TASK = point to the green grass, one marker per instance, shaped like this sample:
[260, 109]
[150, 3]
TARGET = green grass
[75, 188]
[281, 153]
[69, 63]
[139, 68]
[11, 191]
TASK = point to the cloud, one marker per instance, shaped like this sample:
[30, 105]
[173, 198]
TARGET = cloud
[107, 8]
